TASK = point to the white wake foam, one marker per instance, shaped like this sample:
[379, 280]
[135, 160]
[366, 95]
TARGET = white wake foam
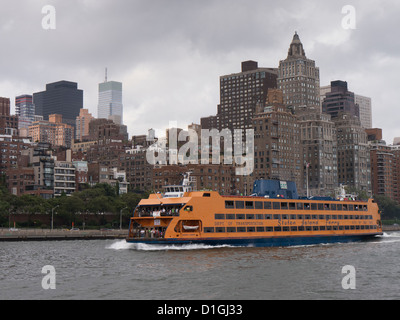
[123, 245]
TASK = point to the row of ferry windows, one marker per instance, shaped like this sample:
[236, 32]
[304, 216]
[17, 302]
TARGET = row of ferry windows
[251, 216]
[286, 229]
[293, 206]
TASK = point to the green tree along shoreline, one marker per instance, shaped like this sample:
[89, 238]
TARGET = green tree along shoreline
[98, 200]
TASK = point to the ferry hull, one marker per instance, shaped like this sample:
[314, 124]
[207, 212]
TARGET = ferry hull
[260, 242]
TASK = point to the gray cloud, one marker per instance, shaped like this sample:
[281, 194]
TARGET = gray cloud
[170, 54]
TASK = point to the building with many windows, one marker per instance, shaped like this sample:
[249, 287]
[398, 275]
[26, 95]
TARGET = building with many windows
[298, 77]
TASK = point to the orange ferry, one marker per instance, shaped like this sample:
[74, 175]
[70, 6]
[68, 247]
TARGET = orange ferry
[182, 216]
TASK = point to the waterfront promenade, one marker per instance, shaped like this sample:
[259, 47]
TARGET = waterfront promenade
[47, 234]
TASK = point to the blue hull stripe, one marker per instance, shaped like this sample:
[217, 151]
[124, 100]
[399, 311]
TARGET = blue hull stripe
[260, 242]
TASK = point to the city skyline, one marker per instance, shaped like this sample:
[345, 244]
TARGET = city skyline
[171, 62]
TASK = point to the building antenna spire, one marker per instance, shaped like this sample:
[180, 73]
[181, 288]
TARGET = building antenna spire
[106, 76]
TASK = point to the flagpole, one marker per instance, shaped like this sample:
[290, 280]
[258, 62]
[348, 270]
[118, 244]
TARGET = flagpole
[307, 165]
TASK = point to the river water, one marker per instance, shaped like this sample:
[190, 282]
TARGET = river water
[113, 269]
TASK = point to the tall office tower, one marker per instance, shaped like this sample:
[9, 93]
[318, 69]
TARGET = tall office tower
[278, 153]
[240, 93]
[298, 77]
[353, 153]
[365, 105]
[340, 100]
[319, 146]
[25, 110]
[62, 98]
[110, 101]
[82, 124]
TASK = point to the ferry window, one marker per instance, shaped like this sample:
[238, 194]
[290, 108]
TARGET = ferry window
[259, 205]
[206, 195]
[355, 208]
[315, 228]
[322, 228]
[308, 228]
[249, 205]
[326, 206]
[260, 229]
[301, 228]
[240, 216]
[334, 217]
[362, 227]
[320, 206]
[276, 205]
[259, 216]
[329, 228]
[285, 217]
[333, 206]
[351, 217]
[314, 216]
[268, 216]
[352, 227]
[250, 216]
[285, 229]
[345, 207]
[209, 230]
[293, 216]
[239, 204]
[269, 229]
[267, 205]
[293, 228]
[299, 206]
[278, 229]
[277, 216]
[284, 206]
[241, 229]
[251, 229]
[346, 217]
[340, 217]
[300, 217]
[220, 229]
[231, 229]
[188, 208]
[346, 227]
[307, 217]
[313, 206]
[351, 207]
[328, 217]
[230, 216]
[339, 207]
[229, 205]
[219, 216]
[321, 217]
[365, 208]
[306, 206]
[292, 206]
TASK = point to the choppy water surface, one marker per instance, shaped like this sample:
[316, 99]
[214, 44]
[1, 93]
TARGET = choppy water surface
[117, 270]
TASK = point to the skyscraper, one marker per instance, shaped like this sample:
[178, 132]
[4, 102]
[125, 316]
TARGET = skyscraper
[110, 101]
[340, 100]
[62, 98]
[25, 110]
[298, 77]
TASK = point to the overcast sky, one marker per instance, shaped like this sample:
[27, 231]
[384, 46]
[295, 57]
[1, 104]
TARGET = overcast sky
[169, 54]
